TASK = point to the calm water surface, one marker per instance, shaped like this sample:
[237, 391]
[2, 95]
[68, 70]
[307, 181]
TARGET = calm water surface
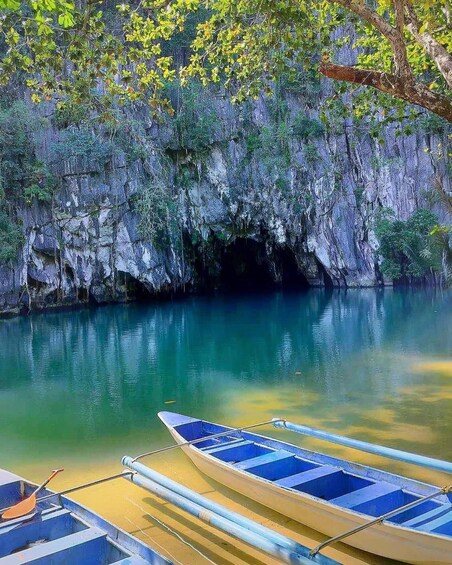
[85, 386]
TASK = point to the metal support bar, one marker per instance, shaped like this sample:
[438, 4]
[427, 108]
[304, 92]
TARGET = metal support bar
[264, 540]
[79, 487]
[122, 475]
[378, 520]
[200, 439]
[287, 546]
[421, 460]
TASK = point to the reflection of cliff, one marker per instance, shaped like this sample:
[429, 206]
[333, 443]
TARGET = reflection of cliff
[267, 195]
[115, 367]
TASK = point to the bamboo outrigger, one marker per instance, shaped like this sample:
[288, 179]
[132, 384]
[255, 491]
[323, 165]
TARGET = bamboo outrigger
[67, 533]
[369, 509]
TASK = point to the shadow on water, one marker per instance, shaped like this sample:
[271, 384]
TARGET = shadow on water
[170, 515]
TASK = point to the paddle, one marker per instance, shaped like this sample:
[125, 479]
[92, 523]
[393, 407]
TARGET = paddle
[27, 506]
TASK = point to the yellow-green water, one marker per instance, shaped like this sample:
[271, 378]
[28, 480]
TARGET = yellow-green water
[81, 388]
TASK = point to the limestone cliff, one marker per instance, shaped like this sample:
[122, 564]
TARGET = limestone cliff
[262, 191]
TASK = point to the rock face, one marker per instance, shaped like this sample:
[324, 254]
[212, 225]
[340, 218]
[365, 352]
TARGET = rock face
[255, 202]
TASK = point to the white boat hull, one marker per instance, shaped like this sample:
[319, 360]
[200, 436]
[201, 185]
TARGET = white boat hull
[385, 539]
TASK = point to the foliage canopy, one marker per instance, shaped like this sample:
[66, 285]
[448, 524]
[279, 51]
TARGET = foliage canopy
[62, 48]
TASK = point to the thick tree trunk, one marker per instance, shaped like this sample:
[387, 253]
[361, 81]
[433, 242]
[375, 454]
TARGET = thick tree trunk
[436, 51]
[410, 91]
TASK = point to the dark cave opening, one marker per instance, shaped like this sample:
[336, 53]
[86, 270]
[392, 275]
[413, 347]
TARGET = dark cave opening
[131, 288]
[245, 266]
[82, 294]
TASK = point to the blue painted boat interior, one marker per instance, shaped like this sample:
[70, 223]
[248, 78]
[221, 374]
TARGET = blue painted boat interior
[56, 534]
[291, 468]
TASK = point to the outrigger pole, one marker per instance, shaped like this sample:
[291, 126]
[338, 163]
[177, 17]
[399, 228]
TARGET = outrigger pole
[284, 549]
[405, 456]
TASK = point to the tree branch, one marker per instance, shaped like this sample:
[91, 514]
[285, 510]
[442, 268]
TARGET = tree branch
[393, 34]
[411, 91]
[360, 9]
[402, 66]
[437, 52]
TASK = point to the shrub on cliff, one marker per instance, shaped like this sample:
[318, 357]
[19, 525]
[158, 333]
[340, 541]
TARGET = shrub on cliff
[158, 212]
[22, 174]
[11, 238]
[413, 248]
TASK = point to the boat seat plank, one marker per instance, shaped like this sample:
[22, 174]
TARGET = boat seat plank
[232, 441]
[427, 516]
[214, 450]
[434, 525]
[307, 476]
[362, 495]
[131, 560]
[47, 526]
[25, 521]
[272, 457]
[84, 547]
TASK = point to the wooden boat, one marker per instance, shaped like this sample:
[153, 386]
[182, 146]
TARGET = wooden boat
[328, 494]
[61, 531]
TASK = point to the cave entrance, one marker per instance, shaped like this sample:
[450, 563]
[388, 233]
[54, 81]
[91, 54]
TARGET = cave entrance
[246, 266]
[130, 288]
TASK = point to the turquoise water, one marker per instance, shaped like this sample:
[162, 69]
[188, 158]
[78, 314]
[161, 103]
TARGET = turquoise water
[88, 383]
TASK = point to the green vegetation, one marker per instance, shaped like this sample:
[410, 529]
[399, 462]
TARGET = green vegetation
[270, 148]
[307, 128]
[158, 214]
[11, 237]
[273, 150]
[42, 187]
[196, 124]
[432, 124]
[413, 248]
[311, 153]
[68, 114]
[22, 175]
[303, 82]
[404, 47]
[178, 45]
[83, 141]
[269, 145]
[26, 179]
[98, 137]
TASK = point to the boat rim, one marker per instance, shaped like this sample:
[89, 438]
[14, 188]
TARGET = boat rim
[301, 494]
[111, 530]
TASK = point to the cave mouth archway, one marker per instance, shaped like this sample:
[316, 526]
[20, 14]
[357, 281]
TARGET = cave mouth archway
[130, 288]
[245, 266]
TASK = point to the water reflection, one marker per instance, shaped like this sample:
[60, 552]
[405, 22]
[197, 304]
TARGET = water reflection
[370, 363]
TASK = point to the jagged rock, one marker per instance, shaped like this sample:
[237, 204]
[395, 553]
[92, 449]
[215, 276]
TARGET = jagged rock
[318, 223]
